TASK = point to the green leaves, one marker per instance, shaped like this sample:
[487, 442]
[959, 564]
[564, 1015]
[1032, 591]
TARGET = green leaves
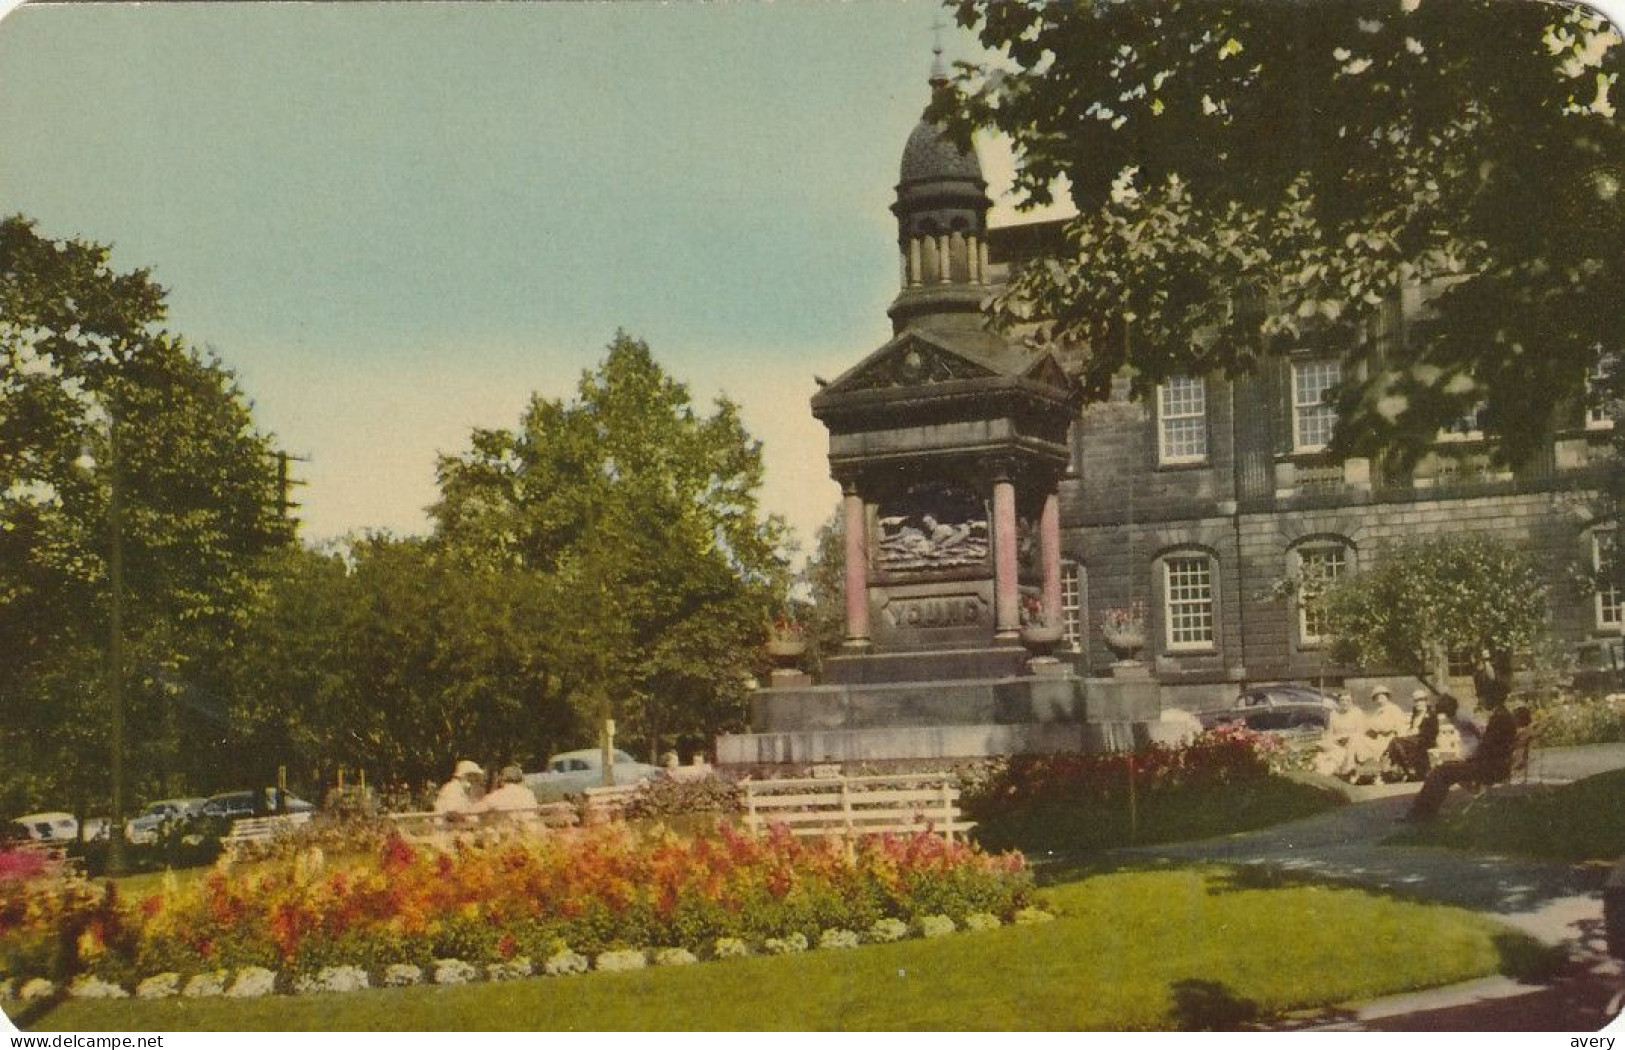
[1257, 177]
[1472, 598]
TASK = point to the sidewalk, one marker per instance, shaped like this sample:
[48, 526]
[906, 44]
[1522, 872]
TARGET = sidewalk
[1558, 904]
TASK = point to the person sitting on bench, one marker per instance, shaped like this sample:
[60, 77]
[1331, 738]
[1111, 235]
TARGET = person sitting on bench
[1491, 763]
[1409, 754]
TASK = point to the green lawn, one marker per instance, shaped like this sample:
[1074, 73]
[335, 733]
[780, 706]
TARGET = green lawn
[1136, 950]
[1582, 821]
[1071, 828]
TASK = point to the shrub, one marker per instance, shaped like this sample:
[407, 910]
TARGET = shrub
[1571, 720]
[664, 796]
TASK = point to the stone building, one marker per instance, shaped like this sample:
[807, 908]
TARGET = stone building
[1198, 503]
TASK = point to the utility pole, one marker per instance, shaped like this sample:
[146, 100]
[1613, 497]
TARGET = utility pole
[285, 482]
[115, 648]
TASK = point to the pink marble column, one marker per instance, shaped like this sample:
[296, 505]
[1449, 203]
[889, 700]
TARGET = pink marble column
[1006, 593]
[857, 570]
[1049, 550]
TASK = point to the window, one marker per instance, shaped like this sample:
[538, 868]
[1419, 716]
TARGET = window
[1599, 413]
[1318, 566]
[1072, 605]
[1182, 421]
[1610, 603]
[1312, 418]
[1188, 601]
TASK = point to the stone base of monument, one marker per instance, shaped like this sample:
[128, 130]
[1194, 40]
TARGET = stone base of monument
[948, 719]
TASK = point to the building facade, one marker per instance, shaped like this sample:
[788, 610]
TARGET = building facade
[1201, 504]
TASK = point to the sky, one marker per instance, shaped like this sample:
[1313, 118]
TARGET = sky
[395, 221]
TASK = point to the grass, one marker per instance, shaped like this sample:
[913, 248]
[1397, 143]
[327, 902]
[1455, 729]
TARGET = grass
[1582, 821]
[1159, 949]
[1071, 828]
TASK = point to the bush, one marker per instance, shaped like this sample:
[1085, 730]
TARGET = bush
[1569, 720]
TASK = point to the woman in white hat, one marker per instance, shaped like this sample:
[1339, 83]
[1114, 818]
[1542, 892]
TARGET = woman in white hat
[459, 794]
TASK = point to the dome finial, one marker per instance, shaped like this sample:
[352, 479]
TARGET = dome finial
[939, 69]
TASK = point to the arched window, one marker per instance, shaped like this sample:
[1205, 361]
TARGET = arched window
[1316, 565]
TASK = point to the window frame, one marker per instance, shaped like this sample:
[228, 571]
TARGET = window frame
[1308, 639]
[1598, 417]
[1301, 409]
[1171, 644]
[1165, 417]
[1072, 601]
[1607, 603]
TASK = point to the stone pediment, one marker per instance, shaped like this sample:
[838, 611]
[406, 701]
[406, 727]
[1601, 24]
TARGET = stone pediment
[910, 361]
[917, 359]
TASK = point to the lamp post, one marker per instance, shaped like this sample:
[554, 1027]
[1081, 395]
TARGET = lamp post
[115, 648]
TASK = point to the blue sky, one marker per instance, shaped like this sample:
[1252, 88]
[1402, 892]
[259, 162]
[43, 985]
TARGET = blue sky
[396, 220]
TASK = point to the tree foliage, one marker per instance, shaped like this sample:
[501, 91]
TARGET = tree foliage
[1466, 597]
[1255, 176]
[641, 517]
[84, 365]
[822, 583]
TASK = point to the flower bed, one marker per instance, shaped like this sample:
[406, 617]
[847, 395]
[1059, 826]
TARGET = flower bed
[1225, 755]
[607, 894]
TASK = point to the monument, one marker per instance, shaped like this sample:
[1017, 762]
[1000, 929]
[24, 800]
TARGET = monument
[950, 443]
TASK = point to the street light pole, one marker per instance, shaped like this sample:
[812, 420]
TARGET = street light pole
[115, 648]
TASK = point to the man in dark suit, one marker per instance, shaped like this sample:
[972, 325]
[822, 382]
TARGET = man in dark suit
[1490, 764]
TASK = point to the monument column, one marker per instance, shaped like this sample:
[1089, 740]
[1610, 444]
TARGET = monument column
[1006, 593]
[857, 567]
[1049, 550]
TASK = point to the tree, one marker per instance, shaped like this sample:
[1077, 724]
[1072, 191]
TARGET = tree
[93, 395]
[641, 517]
[823, 582]
[1256, 176]
[1462, 597]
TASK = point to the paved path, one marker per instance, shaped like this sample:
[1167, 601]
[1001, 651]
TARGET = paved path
[1557, 904]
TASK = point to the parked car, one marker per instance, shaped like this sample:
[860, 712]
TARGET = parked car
[49, 827]
[1281, 707]
[233, 804]
[145, 826]
[574, 771]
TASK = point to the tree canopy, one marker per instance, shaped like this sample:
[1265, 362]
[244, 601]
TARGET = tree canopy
[1255, 177]
[642, 516]
[1467, 598]
[92, 393]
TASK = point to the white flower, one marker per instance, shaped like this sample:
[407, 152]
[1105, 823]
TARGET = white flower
[206, 984]
[454, 971]
[511, 970]
[796, 942]
[159, 986]
[936, 926]
[620, 959]
[565, 962]
[731, 948]
[674, 957]
[400, 975]
[38, 988]
[1028, 916]
[252, 982]
[982, 921]
[837, 939]
[887, 930]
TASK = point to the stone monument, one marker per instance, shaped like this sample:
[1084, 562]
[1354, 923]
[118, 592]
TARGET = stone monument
[949, 443]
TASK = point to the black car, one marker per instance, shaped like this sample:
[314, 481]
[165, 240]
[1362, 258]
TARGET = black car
[1276, 708]
[234, 804]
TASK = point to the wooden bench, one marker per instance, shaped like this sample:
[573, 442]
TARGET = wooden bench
[851, 806]
[605, 804]
[431, 826]
[252, 830]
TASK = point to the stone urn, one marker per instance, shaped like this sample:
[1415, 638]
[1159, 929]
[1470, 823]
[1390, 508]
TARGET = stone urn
[1124, 642]
[786, 652]
[1040, 640]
